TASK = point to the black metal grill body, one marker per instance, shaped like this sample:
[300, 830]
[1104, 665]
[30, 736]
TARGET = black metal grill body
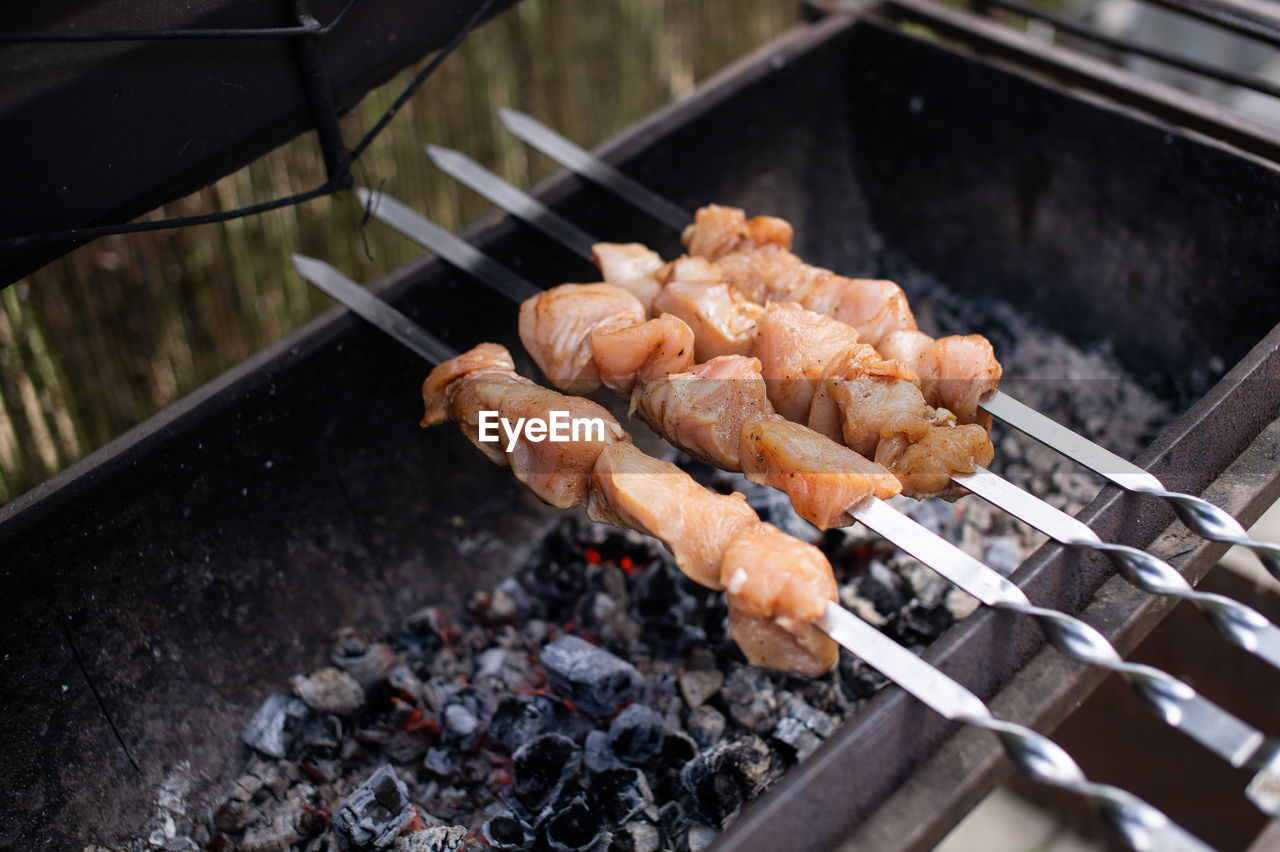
[157, 591]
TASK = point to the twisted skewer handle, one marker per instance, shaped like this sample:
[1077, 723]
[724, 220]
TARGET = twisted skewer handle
[1201, 516]
[1242, 625]
[1142, 826]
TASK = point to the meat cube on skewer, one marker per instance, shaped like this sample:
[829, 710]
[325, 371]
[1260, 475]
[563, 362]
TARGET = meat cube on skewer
[780, 584]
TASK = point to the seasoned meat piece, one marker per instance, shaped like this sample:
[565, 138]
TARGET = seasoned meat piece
[873, 307]
[822, 478]
[559, 338]
[717, 230]
[873, 409]
[702, 411]
[925, 467]
[644, 352]
[634, 490]
[631, 266]
[798, 348]
[486, 356]
[723, 322]
[477, 390]
[955, 371]
[776, 586]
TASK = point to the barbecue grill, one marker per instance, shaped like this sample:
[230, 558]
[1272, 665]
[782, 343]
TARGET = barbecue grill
[160, 589]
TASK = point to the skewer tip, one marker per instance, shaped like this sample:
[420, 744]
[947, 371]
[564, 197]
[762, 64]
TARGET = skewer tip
[438, 153]
[1264, 788]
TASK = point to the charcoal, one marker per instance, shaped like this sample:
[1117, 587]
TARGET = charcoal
[883, 588]
[460, 724]
[665, 770]
[437, 838]
[700, 837]
[588, 676]
[286, 825]
[504, 831]
[441, 761]
[319, 735]
[621, 793]
[270, 731]
[502, 670]
[329, 690]
[519, 718]
[794, 707]
[405, 684]
[699, 685]
[367, 662]
[539, 765]
[427, 630]
[749, 698]
[857, 679]
[577, 827]
[705, 725]
[799, 738]
[374, 813]
[721, 779]
[673, 824]
[639, 835]
[597, 754]
[919, 625]
[636, 734]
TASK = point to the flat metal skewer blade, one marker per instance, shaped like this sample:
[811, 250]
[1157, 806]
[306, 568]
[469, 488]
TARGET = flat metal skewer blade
[373, 309]
[519, 204]
[585, 164]
[942, 556]
[446, 245]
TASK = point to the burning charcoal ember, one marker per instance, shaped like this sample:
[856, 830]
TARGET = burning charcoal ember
[319, 736]
[504, 831]
[576, 826]
[405, 684]
[460, 723]
[501, 670]
[588, 676]
[427, 630]
[286, 825]
[919, 625]
[270, 731]
[442, 762]
[367, 662]
[722, 779]
[665, 770]
[520, 718]
[700, 685]
[705, 725]
[637, 836]
[885, 589]
[373, 814]
[541, 764]
[636, 734]
[748, 695]
[622, 793]
[597, 754]
[329, 690]
[439, 838]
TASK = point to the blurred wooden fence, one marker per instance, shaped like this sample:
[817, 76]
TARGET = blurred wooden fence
[100, 340]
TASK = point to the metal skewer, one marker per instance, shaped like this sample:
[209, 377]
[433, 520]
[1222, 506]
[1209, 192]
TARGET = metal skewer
[1142, 826]
[1242, 625]
[1172, 700]
[1201, 516]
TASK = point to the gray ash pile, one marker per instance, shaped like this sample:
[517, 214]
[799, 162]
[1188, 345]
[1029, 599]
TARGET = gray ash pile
[592, 701]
